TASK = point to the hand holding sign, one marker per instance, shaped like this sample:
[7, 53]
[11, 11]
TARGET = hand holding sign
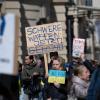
[57, 84]
[42, 39]
[82, 56]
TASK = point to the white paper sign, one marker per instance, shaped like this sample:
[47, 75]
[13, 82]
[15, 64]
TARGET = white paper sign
[78, 47]
[8, 44]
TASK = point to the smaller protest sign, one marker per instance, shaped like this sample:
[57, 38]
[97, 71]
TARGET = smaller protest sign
[57, 76]
[78, 47]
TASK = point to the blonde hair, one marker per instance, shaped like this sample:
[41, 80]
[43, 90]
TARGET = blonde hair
[78, 70]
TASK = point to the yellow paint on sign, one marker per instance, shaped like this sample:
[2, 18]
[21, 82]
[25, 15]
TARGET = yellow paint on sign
[54, 79]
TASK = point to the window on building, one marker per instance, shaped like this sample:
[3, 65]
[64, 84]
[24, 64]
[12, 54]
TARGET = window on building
[88, 2]
[83, 2]
[97, 32]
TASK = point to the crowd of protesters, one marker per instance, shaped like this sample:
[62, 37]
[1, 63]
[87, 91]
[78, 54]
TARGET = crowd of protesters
[81, 82]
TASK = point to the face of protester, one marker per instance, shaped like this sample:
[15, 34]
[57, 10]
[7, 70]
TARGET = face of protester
[28, 60]
[85, 74]
[56, 64]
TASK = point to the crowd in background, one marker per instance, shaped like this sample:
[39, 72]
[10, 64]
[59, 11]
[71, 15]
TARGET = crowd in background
[81, 82]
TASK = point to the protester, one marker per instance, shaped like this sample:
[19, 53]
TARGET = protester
[57, 91]
[80, 83]
[29, 71]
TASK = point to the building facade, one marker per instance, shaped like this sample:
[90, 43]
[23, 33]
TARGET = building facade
[88, 26]
[80, 18]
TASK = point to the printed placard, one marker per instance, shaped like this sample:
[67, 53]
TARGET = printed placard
[8, 44]
[57, 76]
[44, 38]
[78, 47]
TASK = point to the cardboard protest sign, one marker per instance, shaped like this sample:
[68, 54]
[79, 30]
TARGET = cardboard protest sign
[78, 47]
[44, 38]
[8, 44]
[57, 76]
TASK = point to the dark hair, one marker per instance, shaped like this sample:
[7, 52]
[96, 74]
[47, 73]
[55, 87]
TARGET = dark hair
[55, 54]
[19, 66]
[31, 57]
[98, 65]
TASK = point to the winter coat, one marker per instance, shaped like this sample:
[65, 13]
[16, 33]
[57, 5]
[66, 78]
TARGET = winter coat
[58, 93]
[79, 88]
[26, 75]
[94, 88]
[28, 70]
[35, 86]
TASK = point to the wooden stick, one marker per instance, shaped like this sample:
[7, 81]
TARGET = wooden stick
[46, 64]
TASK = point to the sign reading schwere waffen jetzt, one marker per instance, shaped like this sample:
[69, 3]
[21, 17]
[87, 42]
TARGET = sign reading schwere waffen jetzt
[44, 38]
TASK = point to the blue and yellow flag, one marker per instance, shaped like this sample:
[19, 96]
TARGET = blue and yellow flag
[57, 76]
